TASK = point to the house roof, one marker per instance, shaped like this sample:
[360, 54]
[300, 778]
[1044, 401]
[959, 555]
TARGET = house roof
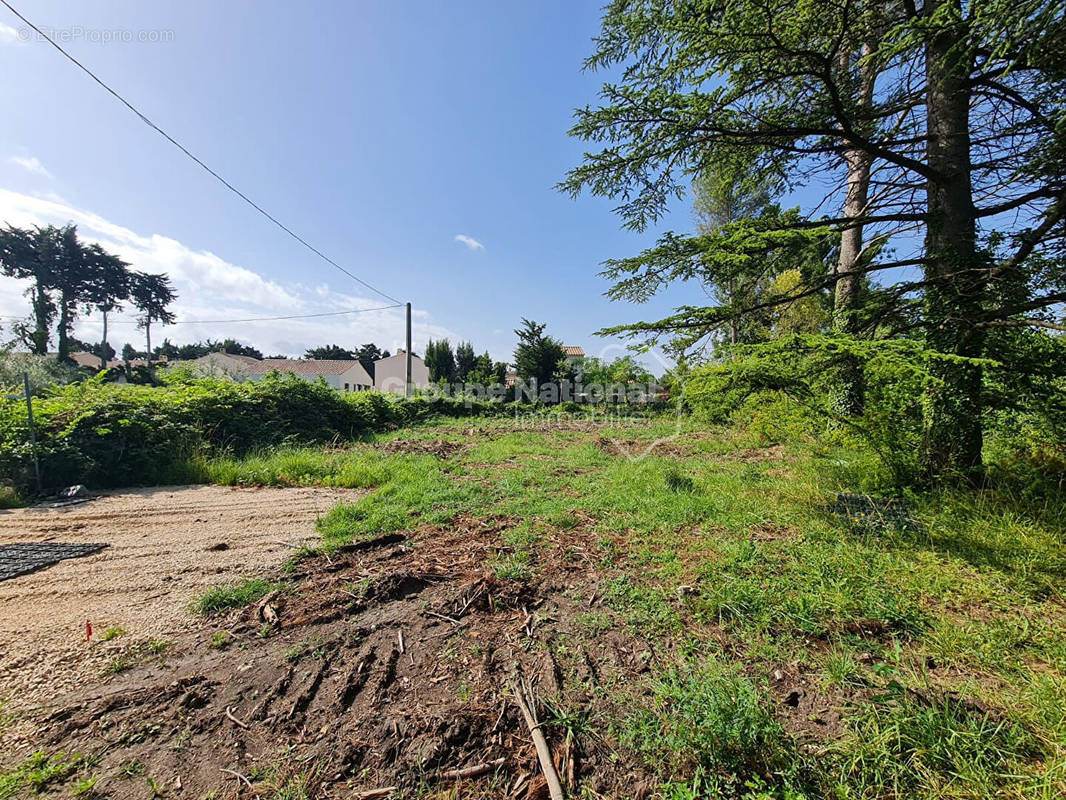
[85, 359]
[312, 367]
[572, 351]
[306, 367]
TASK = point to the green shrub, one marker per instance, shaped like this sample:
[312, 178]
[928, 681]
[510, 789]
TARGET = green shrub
[9, 498]
[105, 434]
[44, 372]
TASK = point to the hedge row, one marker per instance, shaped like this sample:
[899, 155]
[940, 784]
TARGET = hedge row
[106, 435]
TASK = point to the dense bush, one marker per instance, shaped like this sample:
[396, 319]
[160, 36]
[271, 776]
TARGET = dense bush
[43, 372]
[106, 434]
[785, 390]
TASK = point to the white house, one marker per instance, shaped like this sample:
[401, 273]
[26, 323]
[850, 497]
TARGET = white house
[342, 374]
[390, 374]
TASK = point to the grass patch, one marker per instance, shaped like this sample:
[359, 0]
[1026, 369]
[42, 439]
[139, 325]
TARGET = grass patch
[118, 664]
[113, 633]
[37, 773]
[233, 595]
[709, 722]
[419, 490]
[942, 749]
[297, 466]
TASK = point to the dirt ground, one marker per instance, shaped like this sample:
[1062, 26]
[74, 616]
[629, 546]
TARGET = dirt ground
[167, 545]
[385, 670]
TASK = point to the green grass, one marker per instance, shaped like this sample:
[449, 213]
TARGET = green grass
[113, 633]
[233, 595]
[907, 749]
[297, 466]
[38, 773]
[710, 722]
[716, 537]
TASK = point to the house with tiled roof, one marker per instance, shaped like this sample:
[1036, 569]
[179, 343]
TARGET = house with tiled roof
[572, 351]
[344, 375]
[92, 361]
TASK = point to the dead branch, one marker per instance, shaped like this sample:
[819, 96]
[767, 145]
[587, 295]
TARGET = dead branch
[471, 772]
[544, 754]
[238, 776]
[445, 617]
[373, 794]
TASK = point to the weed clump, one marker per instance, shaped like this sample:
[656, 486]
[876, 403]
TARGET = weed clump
[233, 595]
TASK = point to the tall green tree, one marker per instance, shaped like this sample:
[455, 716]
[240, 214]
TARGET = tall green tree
[33, 255]
[965, 124]
[151, 296]
[724, 194]
[464, 361]
[108, 288]
[440, 360]
[73, 280]
[537, 355]
[67, 275]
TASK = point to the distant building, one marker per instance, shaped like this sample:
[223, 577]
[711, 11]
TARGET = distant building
[390, 374]
[86, 359]
[571, 351]
[344, 375]
[92, 361]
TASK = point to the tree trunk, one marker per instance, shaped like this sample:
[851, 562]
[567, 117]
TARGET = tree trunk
[103, 345]
[63, 343]
[851, 391]
[148, 339]
[953, 300]
[732, 320]
[39, 337]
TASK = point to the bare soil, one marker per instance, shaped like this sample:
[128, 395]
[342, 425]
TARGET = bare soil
[167, 545]
[386, 664]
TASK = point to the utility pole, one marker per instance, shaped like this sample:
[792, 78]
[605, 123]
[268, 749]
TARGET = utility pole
[407, 390]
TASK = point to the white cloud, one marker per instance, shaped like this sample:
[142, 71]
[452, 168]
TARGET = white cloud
[469, 241]
[32, 164]
[8, 35]
[211, 288]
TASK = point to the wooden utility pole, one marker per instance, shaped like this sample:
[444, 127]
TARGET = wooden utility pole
[407, 385]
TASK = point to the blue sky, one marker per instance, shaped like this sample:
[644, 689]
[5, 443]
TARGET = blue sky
[380, 131]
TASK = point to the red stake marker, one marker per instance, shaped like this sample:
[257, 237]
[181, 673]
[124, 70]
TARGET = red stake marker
[88, 631]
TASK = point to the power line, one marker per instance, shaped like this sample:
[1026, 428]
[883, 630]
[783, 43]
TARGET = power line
[262, 319]
[246, 319]
[186, 151]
